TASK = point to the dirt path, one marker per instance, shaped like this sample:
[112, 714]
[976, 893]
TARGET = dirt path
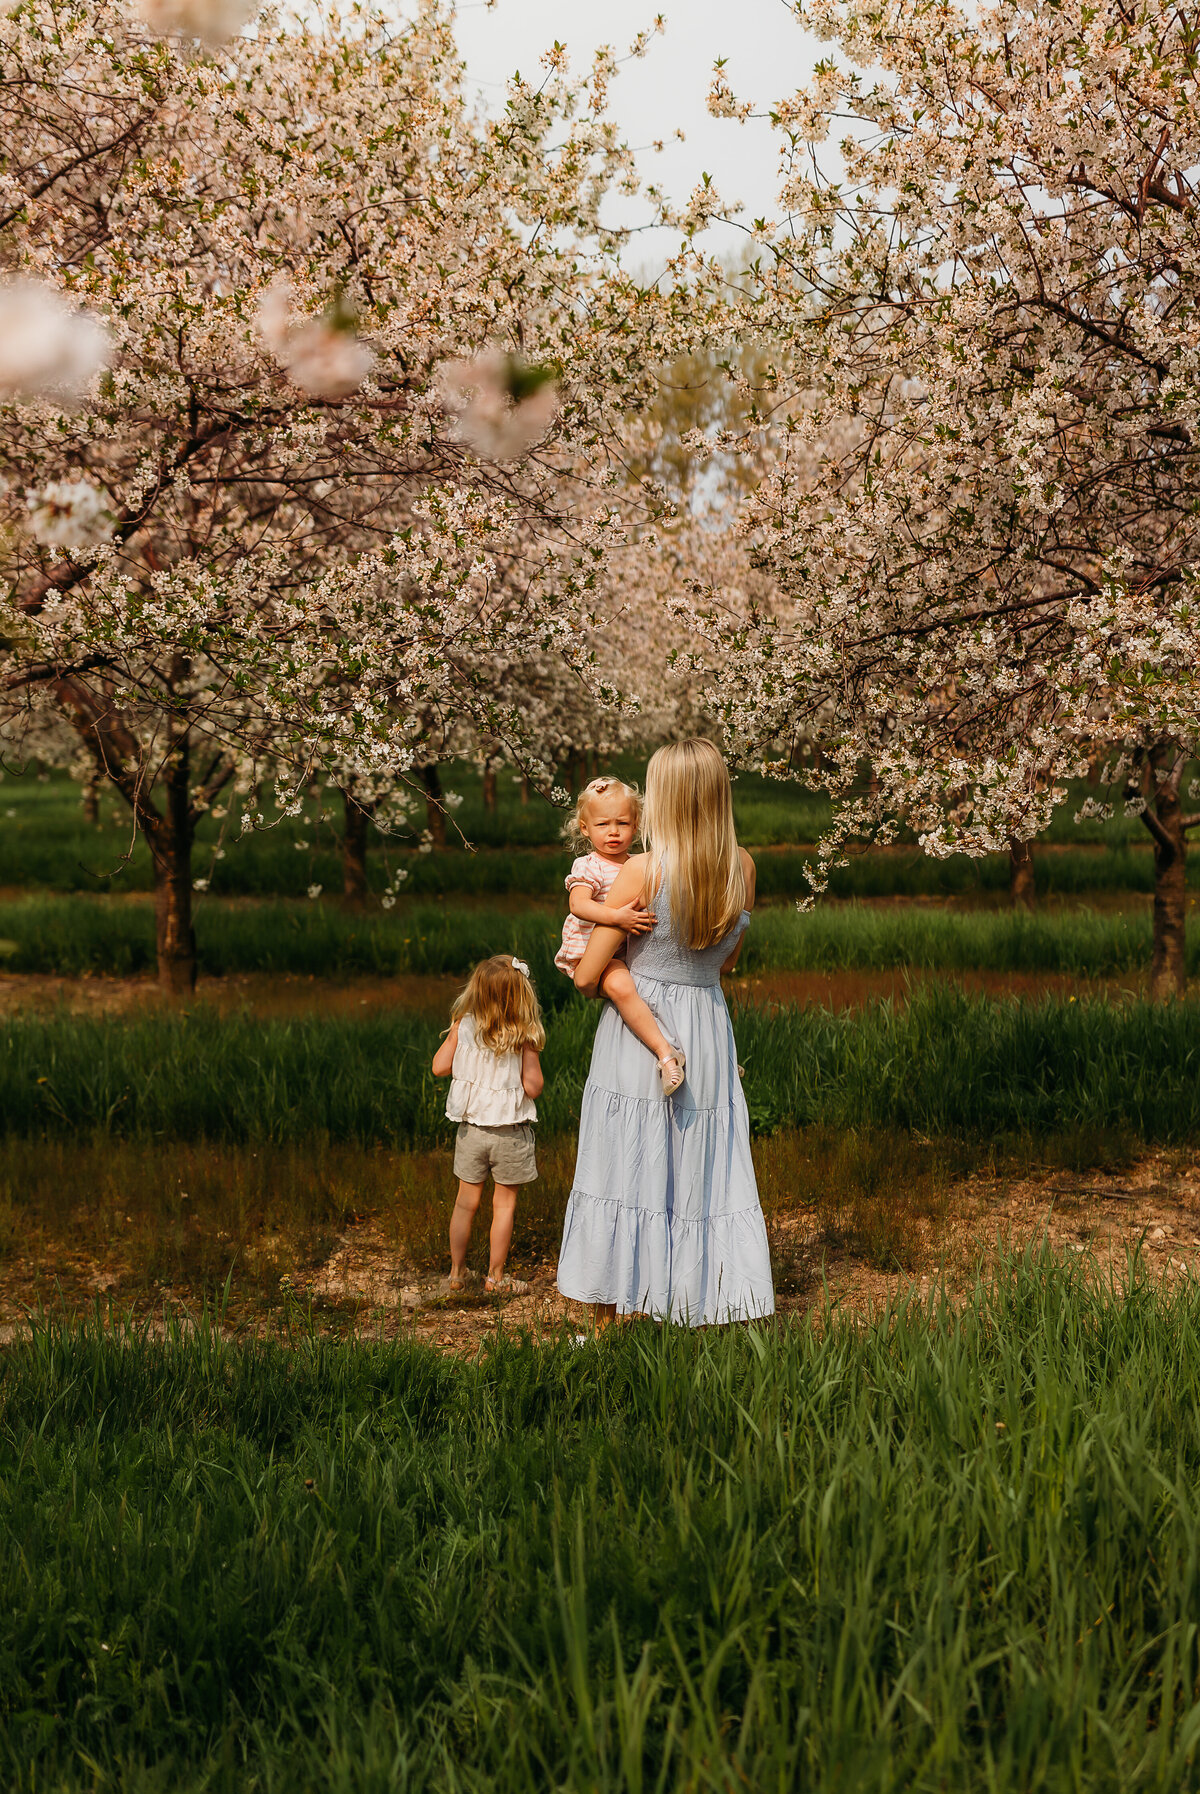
[362, 1288]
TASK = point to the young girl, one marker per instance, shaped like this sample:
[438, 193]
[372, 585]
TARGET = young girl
[606, 820]
[490, 1055]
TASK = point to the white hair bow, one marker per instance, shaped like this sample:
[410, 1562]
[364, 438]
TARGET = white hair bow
[520, 966]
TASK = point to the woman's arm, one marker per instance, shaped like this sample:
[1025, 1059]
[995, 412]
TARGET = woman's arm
[443, 1059]
[532, 1081]
[606, 939]
[751, 878]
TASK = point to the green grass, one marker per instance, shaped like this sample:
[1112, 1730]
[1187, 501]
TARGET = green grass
[194, 1216]
[949, 1551]
[941, 1064]
[45, 844]
[72, 935]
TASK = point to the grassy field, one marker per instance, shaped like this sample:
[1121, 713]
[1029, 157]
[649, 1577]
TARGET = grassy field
[73, 935]
[955, 1550]
[943, 1063]
[45, 843]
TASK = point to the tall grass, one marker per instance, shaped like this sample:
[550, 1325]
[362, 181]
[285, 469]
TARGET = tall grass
[74, 935]
[950, 1551]
[941, 1064]
[45, 843]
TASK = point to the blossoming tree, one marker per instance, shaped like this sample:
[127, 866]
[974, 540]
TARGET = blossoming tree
[984, 515]
[301, 367]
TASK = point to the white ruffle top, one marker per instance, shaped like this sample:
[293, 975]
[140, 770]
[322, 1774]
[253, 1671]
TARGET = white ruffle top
[486, 1087]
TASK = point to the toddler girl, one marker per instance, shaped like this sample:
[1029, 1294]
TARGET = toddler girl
[490, 1055]
[606, 820]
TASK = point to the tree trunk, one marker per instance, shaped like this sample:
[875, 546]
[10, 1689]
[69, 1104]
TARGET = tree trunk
[489, 786]
[1168, 968]
[354, 849]
[435, 816]
[170, 842]
[524, 787]
[90, 798]
[1022, 889]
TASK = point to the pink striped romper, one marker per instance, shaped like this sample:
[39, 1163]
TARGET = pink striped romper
[599, 875]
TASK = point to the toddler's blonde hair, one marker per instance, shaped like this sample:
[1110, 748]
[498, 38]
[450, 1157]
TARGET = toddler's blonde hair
[573, 828]
[503, 1004]
[688, 827]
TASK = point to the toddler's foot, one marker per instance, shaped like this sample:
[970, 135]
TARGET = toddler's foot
[465, 1276]
[506, 1286]
[671, 1069]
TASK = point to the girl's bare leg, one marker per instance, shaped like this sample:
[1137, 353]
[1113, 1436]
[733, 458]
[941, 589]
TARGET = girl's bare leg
[617, 985]
[504, 1209]
[603, 1315]
[460, 1227]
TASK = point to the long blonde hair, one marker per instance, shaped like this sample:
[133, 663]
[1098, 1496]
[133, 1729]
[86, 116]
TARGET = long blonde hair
[687, 825]
[573, 833]
[503, 1004]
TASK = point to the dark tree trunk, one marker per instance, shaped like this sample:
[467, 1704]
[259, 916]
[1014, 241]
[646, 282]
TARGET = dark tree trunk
[435, 816]
[524, 787]
[1168, 967]
[168, 832]
[169, 837]
[1022, 888]
[489, 786]
[354, 849]
[90, 798]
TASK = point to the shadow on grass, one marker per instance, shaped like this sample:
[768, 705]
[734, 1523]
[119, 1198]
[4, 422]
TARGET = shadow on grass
[134, 1219]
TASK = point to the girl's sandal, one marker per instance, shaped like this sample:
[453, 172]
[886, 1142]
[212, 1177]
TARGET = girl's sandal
[506, 1286]
[450, 1285]
[671, 1069]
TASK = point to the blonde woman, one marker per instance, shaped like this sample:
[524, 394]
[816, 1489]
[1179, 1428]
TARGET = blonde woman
[664, 1216]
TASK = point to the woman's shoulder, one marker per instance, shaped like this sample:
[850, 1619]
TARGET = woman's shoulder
[630, 879]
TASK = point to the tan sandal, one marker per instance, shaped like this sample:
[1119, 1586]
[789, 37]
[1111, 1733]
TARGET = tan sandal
[450, 1285]
[506, 1286]
[672, 1068]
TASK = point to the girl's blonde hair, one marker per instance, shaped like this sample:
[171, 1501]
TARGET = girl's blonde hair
[573, 828]
[503, 1004]
[687, 825]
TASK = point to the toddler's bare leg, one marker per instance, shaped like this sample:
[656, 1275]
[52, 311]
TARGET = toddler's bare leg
[460, 1226]
[504, 1209]
[618, 986]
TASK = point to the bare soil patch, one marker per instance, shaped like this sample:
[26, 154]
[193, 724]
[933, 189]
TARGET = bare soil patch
[359, 1278]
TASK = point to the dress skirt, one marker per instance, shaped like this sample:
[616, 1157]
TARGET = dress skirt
[664, 1217]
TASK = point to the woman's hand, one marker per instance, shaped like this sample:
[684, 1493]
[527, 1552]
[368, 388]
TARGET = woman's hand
[631, 917]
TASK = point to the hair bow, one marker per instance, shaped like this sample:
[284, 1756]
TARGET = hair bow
[599, 786]
[519, 965]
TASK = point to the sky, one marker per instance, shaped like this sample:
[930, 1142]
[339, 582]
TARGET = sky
[767, 53]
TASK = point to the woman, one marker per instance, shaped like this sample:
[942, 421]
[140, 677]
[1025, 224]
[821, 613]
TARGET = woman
[664, 1217]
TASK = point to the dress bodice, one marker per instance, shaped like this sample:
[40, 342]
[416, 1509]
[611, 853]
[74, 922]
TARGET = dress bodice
[661, 954]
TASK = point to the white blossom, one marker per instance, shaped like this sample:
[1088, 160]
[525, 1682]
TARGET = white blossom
[212, 21]
[498, 423]
[48, 348]
[321, 355]
[70, 514]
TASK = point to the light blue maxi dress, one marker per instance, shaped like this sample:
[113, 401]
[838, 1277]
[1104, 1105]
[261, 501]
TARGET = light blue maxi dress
[664, 1217]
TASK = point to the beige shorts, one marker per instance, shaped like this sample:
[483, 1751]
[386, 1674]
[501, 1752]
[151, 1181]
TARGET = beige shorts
[507, 1152]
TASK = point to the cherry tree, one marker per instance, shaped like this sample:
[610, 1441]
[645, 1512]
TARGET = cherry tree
[301, 366]
[983, 498]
